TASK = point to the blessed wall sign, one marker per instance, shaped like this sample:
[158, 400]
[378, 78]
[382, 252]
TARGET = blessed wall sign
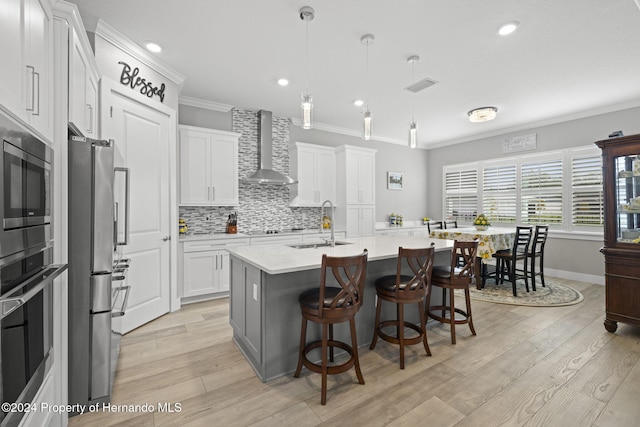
[519, 143]
[129, 77]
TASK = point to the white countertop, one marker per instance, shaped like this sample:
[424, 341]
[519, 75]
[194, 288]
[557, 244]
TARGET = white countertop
[277, 259]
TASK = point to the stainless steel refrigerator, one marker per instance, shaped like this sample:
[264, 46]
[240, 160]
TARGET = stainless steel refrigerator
[91, 249]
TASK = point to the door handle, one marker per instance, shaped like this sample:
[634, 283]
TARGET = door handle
[166, 238]
[37, 92]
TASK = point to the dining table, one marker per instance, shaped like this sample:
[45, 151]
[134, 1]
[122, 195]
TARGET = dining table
[490, 240]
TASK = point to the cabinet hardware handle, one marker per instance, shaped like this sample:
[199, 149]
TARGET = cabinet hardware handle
[90, 109]
[213, 192]
[166, 238]
[33, 101]
[37, 92]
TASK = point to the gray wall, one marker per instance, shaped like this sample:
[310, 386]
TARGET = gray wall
[194, 116]
[563, 254]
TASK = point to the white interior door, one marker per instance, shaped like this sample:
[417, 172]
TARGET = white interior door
[143, 135]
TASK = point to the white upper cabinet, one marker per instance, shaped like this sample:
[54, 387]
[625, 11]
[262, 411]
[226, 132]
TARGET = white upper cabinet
[26, 78]
[357, 171]
[314, 166]
[83, 85]
[208, 167]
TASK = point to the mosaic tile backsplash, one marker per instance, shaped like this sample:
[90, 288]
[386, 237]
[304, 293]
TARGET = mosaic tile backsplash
[262, 207]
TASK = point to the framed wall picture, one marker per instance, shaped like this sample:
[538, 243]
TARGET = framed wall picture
[394, 180]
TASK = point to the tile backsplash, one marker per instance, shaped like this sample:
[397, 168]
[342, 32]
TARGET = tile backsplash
[261, 207]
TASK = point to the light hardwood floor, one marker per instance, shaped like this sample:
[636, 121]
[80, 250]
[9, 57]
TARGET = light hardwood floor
[527, 366]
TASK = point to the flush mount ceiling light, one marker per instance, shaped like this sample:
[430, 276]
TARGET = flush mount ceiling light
[283, 82]
[483, 114]
[307, 14]
[413, 127]
[358, 102]
[366, 40]
[153, 47]
[508, 28]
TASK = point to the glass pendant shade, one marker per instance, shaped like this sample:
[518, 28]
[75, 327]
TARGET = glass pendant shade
[413, 135]
[366, 128]
[307, 111]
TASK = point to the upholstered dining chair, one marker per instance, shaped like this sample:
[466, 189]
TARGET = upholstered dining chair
[507, 260]
[536, 251]
[405, 289]
[449, 278]
[328, 305]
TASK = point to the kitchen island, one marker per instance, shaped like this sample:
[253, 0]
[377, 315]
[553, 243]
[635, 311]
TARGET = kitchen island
[266, 281]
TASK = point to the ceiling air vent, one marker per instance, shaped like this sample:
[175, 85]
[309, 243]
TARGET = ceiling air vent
[420, 85]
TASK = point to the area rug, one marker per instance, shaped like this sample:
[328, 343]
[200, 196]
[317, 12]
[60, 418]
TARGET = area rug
[553, 294]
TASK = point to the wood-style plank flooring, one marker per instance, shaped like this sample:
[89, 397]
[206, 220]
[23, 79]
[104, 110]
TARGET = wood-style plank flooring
[530, 366]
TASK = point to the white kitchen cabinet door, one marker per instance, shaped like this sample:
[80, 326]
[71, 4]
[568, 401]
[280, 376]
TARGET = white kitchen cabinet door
[314, 167]
[11, 42]
[360, 220]
[83, 87]
[26, 77]
[208, 167]
[201, 273]
[358, 172]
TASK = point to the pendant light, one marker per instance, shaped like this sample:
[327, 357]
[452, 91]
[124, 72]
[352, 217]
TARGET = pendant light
[413, 127]
[366, 40]
[307, 14]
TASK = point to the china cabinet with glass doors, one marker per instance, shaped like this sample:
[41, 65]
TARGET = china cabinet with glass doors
[621, 180]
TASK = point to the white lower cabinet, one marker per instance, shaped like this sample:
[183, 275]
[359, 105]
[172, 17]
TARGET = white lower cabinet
[276, 240]
[325, 235]
[360, 220]
[205, 267]
[44, 399]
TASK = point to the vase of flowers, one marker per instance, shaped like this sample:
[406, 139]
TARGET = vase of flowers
[481, 222]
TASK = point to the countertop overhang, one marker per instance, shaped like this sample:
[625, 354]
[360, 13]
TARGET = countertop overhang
[279, 259]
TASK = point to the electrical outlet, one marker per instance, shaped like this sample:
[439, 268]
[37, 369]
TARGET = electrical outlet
[255, 292]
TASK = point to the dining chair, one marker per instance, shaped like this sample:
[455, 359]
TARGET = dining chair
[451, 223]
[435, 225]
[506, 261]
[450, 278]
[403, 289]
[328, 305]
[537, 251]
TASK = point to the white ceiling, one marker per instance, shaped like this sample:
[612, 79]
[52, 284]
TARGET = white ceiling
[568, 58]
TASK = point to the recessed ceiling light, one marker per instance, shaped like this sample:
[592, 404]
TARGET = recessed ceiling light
[358, 102]
[508, 28]
[153, 47]
[283, 82]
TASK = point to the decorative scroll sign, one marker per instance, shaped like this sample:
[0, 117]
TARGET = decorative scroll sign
[130, 78]
[519, 143]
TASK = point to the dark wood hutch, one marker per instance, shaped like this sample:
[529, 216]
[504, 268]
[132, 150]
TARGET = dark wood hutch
[621, 180]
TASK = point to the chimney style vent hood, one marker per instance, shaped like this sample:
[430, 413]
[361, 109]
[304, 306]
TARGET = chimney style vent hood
[265, 174]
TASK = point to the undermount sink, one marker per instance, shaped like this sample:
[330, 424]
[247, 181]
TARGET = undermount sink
[316, 245]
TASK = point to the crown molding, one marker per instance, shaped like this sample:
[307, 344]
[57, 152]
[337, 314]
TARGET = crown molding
[204, 104]
[123, 43]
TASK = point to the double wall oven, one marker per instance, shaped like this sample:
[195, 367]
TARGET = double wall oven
[26, 267]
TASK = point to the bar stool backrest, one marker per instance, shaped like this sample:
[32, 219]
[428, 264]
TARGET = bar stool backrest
[350, 274]
[452, 223]
[436, 225]
[463, 261]
[521, 242]
[420, 262]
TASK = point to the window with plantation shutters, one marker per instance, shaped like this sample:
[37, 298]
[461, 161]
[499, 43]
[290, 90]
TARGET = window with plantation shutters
[541, 192]
[461, 194]
[587, 204]
[500, 193]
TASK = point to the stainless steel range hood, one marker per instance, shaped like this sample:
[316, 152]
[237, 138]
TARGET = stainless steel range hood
[265, 174]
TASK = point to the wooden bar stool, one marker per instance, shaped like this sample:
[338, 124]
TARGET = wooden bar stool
[403, 289]
[506, 261]
[537, 251]
[328, 305]
[454, 276]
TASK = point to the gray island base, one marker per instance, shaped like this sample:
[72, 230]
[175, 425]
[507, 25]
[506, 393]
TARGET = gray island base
[265, 284]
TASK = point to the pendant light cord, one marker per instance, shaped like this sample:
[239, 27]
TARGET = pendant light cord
[307, 52]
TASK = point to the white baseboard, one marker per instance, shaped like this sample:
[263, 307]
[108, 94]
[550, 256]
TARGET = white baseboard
[570, 275]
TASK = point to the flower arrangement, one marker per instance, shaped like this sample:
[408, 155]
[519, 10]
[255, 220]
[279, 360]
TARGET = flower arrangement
[425, 220]
[481, 222]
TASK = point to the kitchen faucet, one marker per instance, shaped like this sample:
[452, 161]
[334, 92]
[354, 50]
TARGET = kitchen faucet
[332, 240]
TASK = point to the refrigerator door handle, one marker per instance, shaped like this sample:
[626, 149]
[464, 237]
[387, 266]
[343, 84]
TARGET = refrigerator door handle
[127, 184]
